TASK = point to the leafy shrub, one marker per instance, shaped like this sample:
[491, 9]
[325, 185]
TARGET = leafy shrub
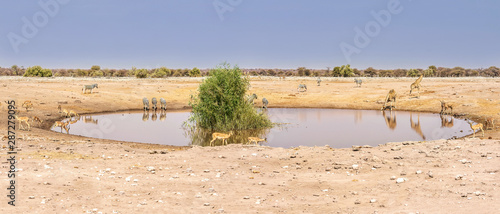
[37, 71]
[141, 73]
[161, 72]
[220, 104]
[195, 72]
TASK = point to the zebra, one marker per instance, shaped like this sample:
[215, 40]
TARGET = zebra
[154, 102]
[145, 101]
[358, 82]
[89, 87]
[302, 86]
[264, 103]
[163, 104]
[250, 98]
[319, 81]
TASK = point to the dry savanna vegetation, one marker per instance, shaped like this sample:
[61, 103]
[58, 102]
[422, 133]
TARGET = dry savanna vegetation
[58, 172]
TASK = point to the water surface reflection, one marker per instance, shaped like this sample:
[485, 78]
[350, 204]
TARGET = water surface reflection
[295, 127]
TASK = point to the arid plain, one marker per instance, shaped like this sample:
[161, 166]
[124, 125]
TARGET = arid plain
[60, 173]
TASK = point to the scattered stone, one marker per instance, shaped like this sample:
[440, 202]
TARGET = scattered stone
[357, 202]
[206, 204]
[430, 174]
[246, 197]
[400, 180]
[396, 148]
[356, 148]
[393, 177]
[31, 197]
[373, 200]
[459, 177]
[418, 172]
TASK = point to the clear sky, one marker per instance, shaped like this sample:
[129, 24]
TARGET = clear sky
[250, 33]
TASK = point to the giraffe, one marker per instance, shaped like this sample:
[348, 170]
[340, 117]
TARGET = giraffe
[391, 97]
[416, 85]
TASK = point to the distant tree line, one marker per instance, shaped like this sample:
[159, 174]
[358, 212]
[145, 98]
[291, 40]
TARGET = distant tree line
[339, 71]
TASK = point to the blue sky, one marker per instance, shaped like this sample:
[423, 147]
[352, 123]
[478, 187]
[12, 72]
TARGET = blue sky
[250, 33]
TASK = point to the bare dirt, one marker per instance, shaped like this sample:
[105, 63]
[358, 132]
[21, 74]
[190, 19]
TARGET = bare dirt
[60, 173]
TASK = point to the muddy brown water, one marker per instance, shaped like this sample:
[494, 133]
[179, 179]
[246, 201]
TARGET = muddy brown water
[337, 128]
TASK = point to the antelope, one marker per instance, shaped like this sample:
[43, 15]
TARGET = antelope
[416, 85]
[358, 82]
[89, 87]
[21, 120]
[264, 103]
[27, 104]
[64, 125]
[154, 102]
[72, 113]
[256, 140]
[35, 118]
[163, 104]
[302, 86]
[391, 97]
[145, 102]
[490, 122]
[475, 127]
[224, 137]
[318, 81]
[445, 106]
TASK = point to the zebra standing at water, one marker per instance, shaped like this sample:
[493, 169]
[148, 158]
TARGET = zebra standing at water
[319, 81]
[358, 82]
[145, 101]
[264, 103]
[154, 102]
[89, 87]
[251, 98]
[163, 104]
[302, 86]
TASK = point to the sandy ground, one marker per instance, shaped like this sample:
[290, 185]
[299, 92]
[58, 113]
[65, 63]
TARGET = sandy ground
[60, 173]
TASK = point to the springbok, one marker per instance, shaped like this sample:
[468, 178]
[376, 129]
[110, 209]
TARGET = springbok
[21, 120]
[224, 137]
[64, 125]
[256, 140]
[476, 127]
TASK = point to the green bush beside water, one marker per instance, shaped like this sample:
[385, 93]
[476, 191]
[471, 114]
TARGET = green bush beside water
[220, 103]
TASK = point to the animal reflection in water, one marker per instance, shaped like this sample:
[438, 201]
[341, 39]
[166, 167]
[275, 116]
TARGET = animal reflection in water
[390, 120]
[446, 121]
[89, 119]
[154, 115]
[416, 126]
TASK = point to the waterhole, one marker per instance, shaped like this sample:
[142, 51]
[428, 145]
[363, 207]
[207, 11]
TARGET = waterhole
[294, 127]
